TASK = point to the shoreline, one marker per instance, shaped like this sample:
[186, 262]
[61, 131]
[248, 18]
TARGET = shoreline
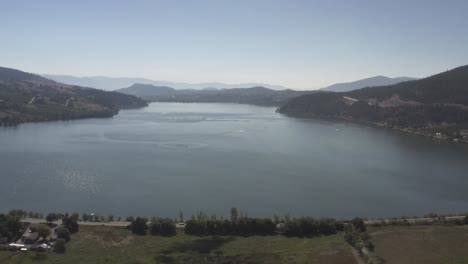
[407, 131]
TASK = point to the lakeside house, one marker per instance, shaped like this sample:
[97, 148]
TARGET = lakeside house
[16, 246]
[31, 238]
[41, 247]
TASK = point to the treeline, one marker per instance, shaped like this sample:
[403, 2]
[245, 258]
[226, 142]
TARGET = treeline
[25, 214]
[238, 224]
[156, 227]
[310, 227]
[10, 227]
[203, 225]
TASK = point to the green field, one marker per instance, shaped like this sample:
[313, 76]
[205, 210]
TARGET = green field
[421, 244]
[118, 245]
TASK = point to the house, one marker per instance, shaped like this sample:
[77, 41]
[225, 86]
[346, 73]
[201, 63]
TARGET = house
[15, 246]
[52, 237]
[32, 237]
[40, 248]
[33, 227]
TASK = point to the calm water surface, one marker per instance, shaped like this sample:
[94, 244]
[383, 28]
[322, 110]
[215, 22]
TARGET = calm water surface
[170, 157]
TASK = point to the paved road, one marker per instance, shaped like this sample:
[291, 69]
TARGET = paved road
[416, 220]
[112, 223]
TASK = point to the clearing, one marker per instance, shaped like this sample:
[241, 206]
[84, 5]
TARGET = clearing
[105, 244]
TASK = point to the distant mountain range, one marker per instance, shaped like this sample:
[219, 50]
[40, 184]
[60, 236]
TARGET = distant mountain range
[254, 95]
[369, 82]
[111, 83]
[436, 105]
[257, 95]
[26, 97]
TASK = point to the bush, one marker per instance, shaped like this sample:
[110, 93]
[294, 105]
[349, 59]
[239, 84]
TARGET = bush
[243, 226]
[51, 217]
[71, 223]
[357, 238]
[64, 233]
[352, 235]
[359, 224]
[43, 230]
[163, 227]
[60, 246]
[10, 226]
[138, 226]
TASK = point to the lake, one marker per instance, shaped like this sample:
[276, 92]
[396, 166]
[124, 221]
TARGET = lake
[170, 157]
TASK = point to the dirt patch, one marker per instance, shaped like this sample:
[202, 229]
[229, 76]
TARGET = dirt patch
[429, 244]
[335, 257]
[201, 246]
[106, 236]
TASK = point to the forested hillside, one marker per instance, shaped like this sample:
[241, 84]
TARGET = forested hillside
[26, 97]
[437, 105]
[254, 95]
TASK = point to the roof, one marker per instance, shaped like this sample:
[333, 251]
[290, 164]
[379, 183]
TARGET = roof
[16, 245]
[44, 246]
[33, 235]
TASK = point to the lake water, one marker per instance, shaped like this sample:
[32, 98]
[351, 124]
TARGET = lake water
[169, 157]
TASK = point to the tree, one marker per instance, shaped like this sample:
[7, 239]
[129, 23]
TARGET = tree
[86, 217]
[64, 233]
[70, 223]
[181, 217]
[138, 226]
[352, 235]
[163, 227]
[234, 214]
[43, 230]
[9, 226]
[75, 216]
[326, 226]
[60, 245]
[359, 224]
[51, 217]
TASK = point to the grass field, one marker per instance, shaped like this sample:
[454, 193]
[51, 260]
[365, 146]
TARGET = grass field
[97, 244]
[421, 244]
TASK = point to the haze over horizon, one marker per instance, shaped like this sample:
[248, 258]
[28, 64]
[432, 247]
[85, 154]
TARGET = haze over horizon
[297, 44]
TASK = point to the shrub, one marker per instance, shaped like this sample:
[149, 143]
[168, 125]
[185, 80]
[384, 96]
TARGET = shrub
[60, 246]
[71, 223]
[64, 233]
[359, 224]
[163, 227]
[138, 226]
[51, 217]
[43, 230]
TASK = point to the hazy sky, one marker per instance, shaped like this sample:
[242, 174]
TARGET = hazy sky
[299, 44]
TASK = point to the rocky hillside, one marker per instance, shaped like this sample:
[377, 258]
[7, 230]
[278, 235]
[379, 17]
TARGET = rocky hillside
[26, 97]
